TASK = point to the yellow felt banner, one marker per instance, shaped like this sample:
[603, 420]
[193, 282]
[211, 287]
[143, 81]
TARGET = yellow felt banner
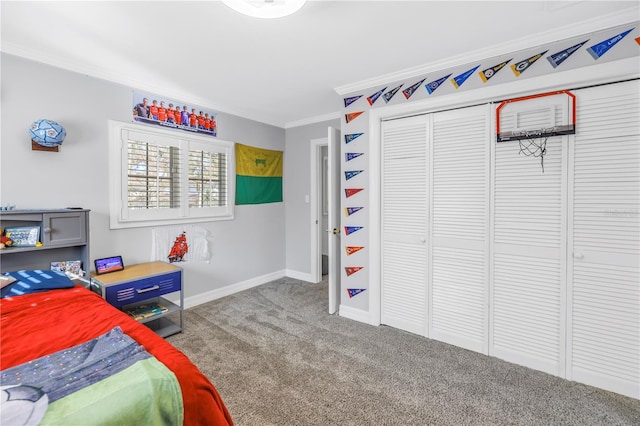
[258, 162]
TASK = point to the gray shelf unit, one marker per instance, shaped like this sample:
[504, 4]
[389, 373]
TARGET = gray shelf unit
[64, 234]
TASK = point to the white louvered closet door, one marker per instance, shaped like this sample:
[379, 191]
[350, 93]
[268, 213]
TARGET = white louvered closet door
[460, 225]
[604, 319]
[404, 224]
[529, 244]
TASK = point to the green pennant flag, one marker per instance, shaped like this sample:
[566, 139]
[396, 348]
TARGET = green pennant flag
[258, 175]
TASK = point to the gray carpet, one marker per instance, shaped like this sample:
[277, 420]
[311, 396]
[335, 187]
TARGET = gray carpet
[278, 358]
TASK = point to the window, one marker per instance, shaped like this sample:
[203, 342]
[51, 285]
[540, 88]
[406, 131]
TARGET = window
[160, 177]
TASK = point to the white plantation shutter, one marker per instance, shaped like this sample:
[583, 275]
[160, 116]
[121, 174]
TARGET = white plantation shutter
[605, 269]
[529, 242]
[152, 167]
[460, 204]
[404, 224]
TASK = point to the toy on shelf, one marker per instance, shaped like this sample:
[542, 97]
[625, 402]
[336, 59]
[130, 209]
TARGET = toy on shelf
[4, 240]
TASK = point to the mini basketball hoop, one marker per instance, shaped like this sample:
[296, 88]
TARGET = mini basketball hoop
[534, 143]
[532, 120]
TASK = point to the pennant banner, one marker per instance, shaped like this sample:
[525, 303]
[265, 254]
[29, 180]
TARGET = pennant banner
[460, 79]
[349, 101]
[258, 175]
[351, 137]
[351, 173]
[558, 58]
[351, 155]
[522, 66]
[352, 269]
[599, 49]
[352, 116]
[373, 98]
[485, 75]
[355, 291]
[411, 89]
[353, 249]
[351, 210]
[431, 87]
[352, 191]
[387, 96]
[348, 230]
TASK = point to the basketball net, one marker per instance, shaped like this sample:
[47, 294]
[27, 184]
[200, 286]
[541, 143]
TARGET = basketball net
[534, 144]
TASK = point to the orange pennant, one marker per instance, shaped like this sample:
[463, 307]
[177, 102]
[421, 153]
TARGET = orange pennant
[352, 116]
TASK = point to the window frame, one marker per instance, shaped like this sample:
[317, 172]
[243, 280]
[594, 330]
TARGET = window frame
[122, 217]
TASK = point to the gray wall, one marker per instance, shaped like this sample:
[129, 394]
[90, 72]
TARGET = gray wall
[250, 246]
[297, 186]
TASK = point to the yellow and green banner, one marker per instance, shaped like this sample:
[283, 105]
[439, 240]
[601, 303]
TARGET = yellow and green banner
[258, 175]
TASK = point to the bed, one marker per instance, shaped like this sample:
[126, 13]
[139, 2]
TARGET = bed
[42, 335]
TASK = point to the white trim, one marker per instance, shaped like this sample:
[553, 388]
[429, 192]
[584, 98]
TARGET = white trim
[219, 293]
[597, 74]
[313, 120]
[354, 314]
[375, 218]
[120, 216]
[302, 276]
[566, 31]
[316, 209]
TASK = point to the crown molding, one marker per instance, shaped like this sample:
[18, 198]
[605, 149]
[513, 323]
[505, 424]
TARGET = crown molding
[568, 31]
[313, 120]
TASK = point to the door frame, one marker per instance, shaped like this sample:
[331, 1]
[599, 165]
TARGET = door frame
[317, 233]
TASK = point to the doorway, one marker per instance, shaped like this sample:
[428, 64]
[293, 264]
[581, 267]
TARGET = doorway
[325, 214]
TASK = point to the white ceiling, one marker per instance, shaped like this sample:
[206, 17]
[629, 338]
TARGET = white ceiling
[288, 71]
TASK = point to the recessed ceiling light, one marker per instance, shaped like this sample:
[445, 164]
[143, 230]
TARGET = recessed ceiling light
[265, 8]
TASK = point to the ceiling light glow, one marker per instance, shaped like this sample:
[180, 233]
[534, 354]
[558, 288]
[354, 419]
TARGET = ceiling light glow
[265, 8]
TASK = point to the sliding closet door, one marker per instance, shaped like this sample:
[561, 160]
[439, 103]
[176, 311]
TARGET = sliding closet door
[529, 244]
[404, 224]
[460, 225]
[605, 268]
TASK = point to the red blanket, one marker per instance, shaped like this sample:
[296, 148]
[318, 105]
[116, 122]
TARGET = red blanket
[40, 324]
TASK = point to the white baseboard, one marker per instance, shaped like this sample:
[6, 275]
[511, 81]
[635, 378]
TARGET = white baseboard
[354, 314]
[302, 276]
[218, 293]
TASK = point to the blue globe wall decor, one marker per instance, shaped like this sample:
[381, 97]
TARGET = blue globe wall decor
[47, 133]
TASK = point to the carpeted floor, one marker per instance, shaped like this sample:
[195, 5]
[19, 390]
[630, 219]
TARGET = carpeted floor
[278, 358]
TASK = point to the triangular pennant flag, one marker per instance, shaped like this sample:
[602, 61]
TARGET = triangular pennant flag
[352, 99]
[637, 39]
[460, 79]
[523, 65]
[485, 75]
[351, 173]
[411, 89]
[348, 230]
[352, 116]
[351, 137]
[352, 191]
[348, 211]
[351, 155]
[373, 98]
[599, 49]
[431, 87]
[387, 96]
[352, 269]
[355, 291]
[558, 58]
[352, 249]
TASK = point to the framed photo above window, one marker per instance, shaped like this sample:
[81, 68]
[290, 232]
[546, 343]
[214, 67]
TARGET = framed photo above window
[161, 177]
